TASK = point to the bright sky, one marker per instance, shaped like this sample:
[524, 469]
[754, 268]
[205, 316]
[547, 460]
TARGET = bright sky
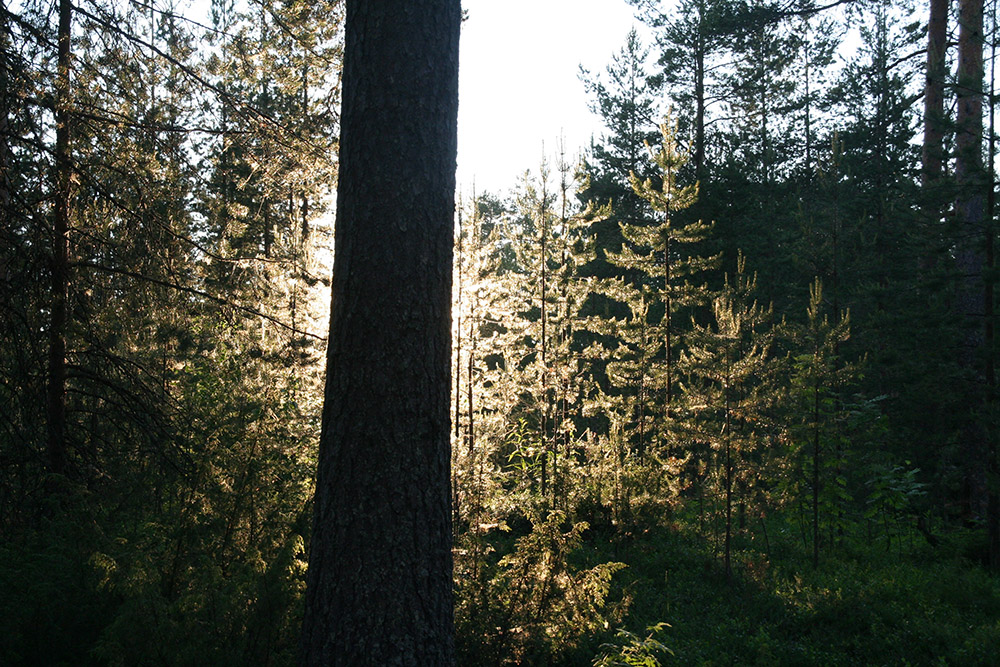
[519, 80]
[519, 83]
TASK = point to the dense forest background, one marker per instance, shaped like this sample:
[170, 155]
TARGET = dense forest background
[723, 383]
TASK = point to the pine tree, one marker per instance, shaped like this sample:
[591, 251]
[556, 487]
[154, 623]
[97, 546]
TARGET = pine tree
[932, 157]
[817, 379]
[627, 103]
[382, 510]
[878, 155]
[485, 397]
[759, 85]
[655, 250]
[816, 40]
[572, 381]
[728, 391]
[757, 143]
[973, 300]
[893, 269]
[691, 39]
[528, 285]
[59, 269]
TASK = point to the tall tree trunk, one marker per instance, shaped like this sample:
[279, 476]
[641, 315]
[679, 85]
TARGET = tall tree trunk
[971, 184]
[669, 179]
[699, 96]
[808, 109]
[543, 303]
[933, 153]
[379, 585]
[56, 403]
[815, 476]
[458, 329]
[993, 465]
[457, 343]
[668, 341]
[933, 148]
[5, 110]
[729, 473]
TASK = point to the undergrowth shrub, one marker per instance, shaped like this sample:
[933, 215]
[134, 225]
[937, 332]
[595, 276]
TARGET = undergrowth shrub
[529, 605]
[632, 650]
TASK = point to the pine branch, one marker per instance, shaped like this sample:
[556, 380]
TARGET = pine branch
[201, 293]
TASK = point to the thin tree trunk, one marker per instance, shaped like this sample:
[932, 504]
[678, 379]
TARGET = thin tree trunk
[815, 476]
[379, 585]
[667, 300]
[305, 224]
[729, 473]
[5, 105]
[458, 331]
[457, 390]
[565, 335]
[668, 341]
[729, 497]
[60, 250]
[471, 431]
[469, 385]
[993, 465]
[268, 227]
[699, 96]
[546, 403]
[806, 28]
[642, 389]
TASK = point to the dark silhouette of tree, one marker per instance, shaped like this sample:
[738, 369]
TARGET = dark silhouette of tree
[60, 251]
[379, 586]
[970, 203]
[934, 115]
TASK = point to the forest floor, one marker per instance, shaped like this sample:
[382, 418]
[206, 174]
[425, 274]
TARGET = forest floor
[868, 602]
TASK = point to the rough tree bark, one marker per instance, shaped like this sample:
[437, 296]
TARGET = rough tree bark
[971, 184]
[934, 119]
[933, 151]
[379, 585]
